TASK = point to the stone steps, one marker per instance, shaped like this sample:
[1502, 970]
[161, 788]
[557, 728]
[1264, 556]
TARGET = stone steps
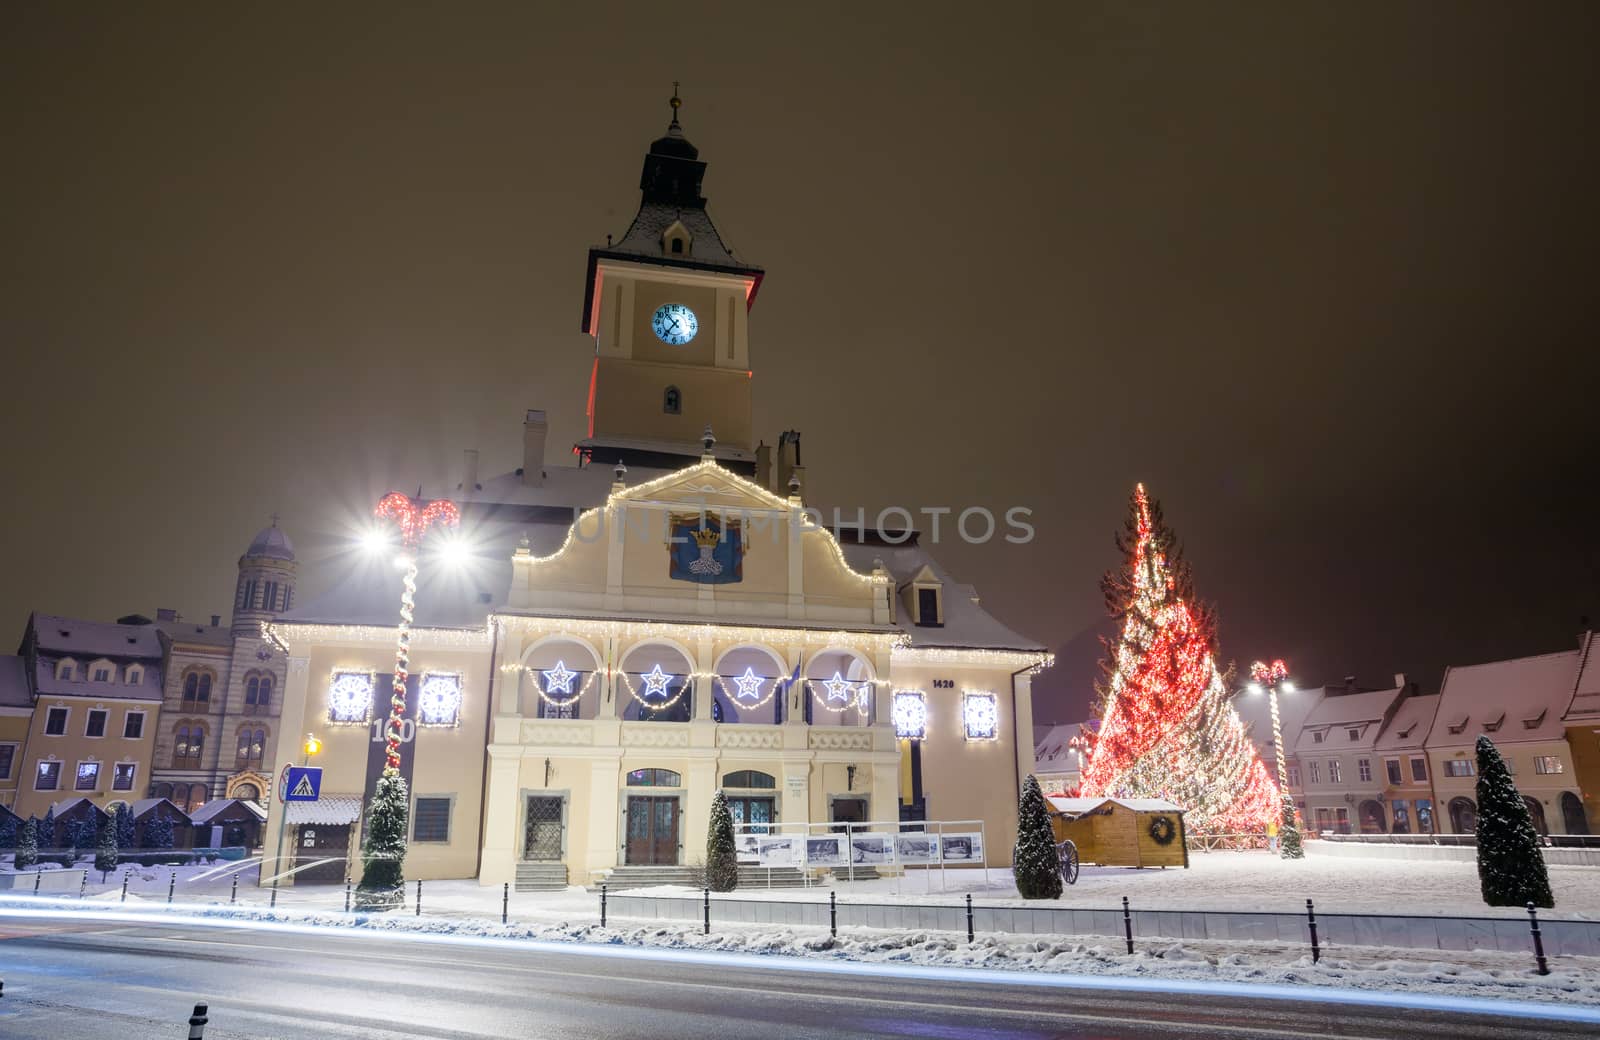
[859, 873]
[641, 877]
[541, 877]
[752, 876]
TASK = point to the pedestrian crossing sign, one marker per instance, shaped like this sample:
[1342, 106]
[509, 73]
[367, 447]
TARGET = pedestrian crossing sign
[300, 783]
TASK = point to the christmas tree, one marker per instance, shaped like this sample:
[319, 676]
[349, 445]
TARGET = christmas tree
[27, 845]
[1167, 729]
[105, 856]
[722, 858]
[125, 830]
[1033, 860]
[383, 852]
[9, 828]
[158, 833]
[1510, 866]
[47, 830]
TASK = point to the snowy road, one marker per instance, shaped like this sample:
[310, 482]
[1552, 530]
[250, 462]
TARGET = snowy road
[67, 979]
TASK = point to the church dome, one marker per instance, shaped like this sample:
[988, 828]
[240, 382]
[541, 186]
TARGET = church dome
[271, 543]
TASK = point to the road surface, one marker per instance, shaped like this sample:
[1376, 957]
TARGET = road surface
[68, 978]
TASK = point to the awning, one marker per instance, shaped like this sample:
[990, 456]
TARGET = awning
[334, 809]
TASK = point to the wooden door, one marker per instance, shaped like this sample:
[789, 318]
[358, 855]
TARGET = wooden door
[326, 846]
[652, 831]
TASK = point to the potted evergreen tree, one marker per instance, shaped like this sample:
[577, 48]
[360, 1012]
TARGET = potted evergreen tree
[722, 857]
[1510, 864]
[1033, 859]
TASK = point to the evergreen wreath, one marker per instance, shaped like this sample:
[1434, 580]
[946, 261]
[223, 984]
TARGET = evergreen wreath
[1162, 831]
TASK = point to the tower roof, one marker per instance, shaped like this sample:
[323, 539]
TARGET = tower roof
[272, 544]
[669, 194]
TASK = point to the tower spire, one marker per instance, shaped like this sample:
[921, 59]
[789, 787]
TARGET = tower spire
[676, 103]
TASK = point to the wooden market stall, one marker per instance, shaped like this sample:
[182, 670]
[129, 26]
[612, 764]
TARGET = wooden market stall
[1121, 832]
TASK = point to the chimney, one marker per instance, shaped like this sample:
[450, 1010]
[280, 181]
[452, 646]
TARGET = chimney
[216, 619]
[166, 614]
[534, 429]
[1399, 680]
[764, 465]
[1349, 684]
[469, 479]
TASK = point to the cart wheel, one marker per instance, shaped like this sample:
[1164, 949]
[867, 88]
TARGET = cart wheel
[1067, 857]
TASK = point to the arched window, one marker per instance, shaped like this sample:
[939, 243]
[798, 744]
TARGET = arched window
[203, 695]
[247, 793]
[677, 246]
[190, 683]
[264, 694]
[1463, 816]
[258, 744]
[1536, 811]
[654, 778]
[672, 401]
[751, 778]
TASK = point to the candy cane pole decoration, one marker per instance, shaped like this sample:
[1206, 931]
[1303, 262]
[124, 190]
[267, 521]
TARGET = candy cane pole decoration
[413, 518]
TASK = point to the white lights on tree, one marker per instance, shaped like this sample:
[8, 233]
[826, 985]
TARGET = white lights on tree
[439, 699]
[559, 679]
[350, 696]
[980, 716]
[749, 685]
[656, 682]
[910, 715]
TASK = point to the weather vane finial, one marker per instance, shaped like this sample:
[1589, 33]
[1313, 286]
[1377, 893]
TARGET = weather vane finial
[676, 104]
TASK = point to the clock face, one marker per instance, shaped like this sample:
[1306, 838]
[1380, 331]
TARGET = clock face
[675, 324]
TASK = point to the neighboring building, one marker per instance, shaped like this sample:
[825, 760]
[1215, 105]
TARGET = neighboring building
[16, 714]
[1407, 779]
[1519, 705]
[580, 697]
[1581, 812]
[96, 690]
[224, 689]
[1059, 753]
[1337, 754]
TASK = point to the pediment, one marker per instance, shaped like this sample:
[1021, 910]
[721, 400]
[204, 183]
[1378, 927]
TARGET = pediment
[704, 485]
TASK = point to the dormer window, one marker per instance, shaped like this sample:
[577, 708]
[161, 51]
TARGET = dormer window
[102, 671]
[135, 675]
[1353, 732]
[66, 669]
[1457, 724]
[1532, 721]
[676, 240]
[1493, 725]
[672, 401]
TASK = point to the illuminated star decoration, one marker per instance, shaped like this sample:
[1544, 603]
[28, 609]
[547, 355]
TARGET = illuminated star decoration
[655, 682]
[440, 700]
[839, 689]
[559, 679]
[749, 685]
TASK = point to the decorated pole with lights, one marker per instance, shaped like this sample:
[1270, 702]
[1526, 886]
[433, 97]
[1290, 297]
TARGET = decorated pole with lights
[382, 877]
[1271, 678]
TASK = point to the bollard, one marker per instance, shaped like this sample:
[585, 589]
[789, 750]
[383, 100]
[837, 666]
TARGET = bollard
[125, 874]
[708, 911]
[36, 876]
[197, 1023]
[419, 897]
[83, 885]
[274, 904]
[2, 987]
[1538, 941]
[602, 904]
[233, 897]
[970, 935]
[505, 903]
[833, 914]
[1311, 920]
[172, 886]
[347, 897]
[1127, 923]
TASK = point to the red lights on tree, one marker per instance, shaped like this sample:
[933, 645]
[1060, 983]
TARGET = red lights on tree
[1167, 729]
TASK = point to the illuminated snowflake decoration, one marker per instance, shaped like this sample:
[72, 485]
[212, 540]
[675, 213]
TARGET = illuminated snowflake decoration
[749, 685]
[656, 681]
[439, 701]
[910, 715]
[840, 690]
[980, 716]
[559, 679]
[350, 696]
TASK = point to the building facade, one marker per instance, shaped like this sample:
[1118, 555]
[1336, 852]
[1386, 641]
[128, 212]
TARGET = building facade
[665, 620]
[1582, 728]
[1339, 767]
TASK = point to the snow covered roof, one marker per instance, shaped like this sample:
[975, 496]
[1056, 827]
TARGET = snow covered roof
[643, 237]
[271, 543]
[1585, 704]
[571, 487]
[1256, 713]
[691, 450]
[1083, 805]
[966, 624]
[1053, 752]
[73, 637]
[217, 806]
[1336, 714]
[14, 691]
[66, 805]
[1409, 728]
[144, 805]
[181, 631]
[333, 809]
[1531, 693]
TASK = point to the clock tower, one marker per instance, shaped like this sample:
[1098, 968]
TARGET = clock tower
[668, 307]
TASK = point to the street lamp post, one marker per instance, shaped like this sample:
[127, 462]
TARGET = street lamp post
[381, 875]
[1271, 678]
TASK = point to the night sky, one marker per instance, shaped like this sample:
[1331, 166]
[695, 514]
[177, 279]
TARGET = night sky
[1322, 276]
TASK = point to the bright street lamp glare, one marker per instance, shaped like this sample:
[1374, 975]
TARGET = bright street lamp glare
[374, 540]
[1256, 688]
[455, 551]
[1286, 686]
